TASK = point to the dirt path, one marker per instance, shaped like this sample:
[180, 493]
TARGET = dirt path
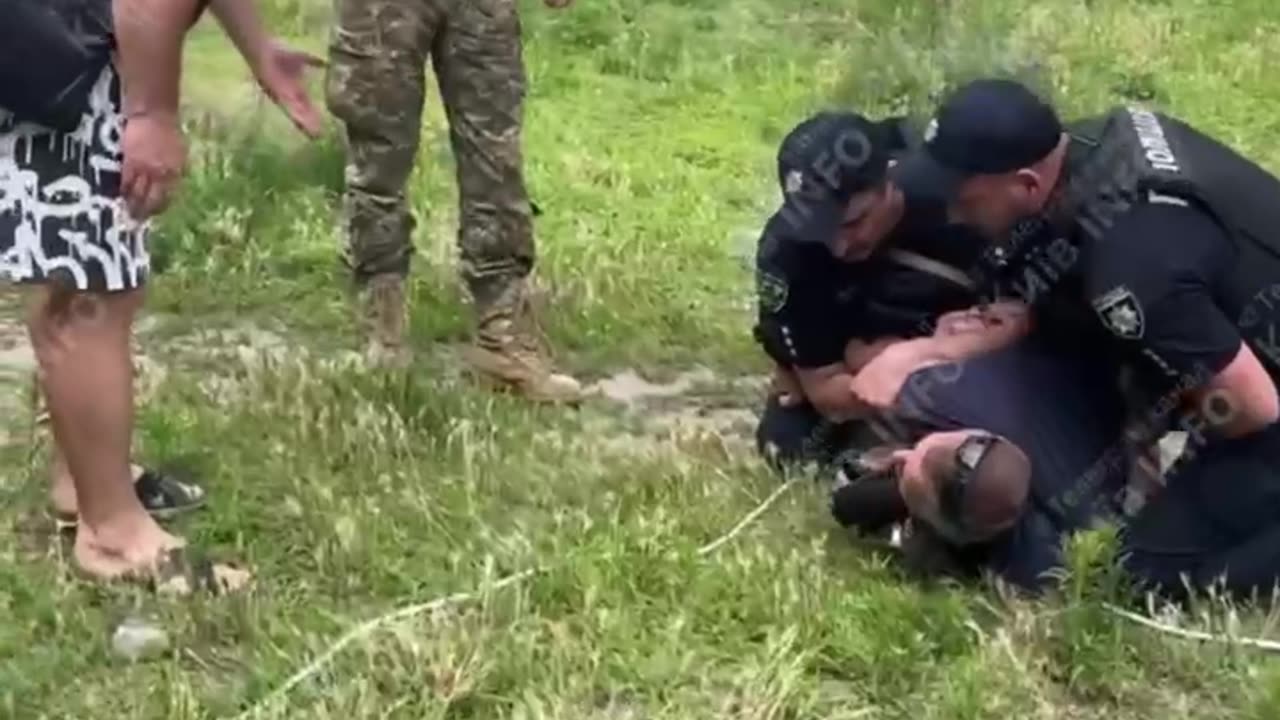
[631, 413]
[629, 410]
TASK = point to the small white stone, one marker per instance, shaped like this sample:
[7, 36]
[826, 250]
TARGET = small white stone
[136, 639]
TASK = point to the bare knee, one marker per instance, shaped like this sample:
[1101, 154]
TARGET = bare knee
[60, 317]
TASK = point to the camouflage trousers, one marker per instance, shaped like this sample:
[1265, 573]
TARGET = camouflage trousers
[376, 85]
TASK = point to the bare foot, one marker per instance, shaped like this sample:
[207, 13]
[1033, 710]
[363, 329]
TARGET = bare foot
[131, 548]
[146, 552]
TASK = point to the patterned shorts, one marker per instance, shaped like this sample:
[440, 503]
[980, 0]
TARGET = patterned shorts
[61, 215]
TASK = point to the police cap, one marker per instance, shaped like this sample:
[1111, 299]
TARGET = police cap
[986, 127]
[822, 163]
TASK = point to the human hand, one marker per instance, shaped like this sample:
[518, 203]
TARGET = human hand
[878, 383]
[881, 459]
[1009, 315]
[959, 322]
[154, 160]
[281, 72]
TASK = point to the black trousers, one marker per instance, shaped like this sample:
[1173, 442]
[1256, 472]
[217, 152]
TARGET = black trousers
[1217, 523]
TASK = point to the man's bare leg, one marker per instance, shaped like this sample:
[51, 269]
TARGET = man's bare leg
[62, 488]
[81, 341]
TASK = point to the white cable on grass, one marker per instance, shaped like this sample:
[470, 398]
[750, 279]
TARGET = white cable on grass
[369, 626]
[750, 518]
[1268, 645]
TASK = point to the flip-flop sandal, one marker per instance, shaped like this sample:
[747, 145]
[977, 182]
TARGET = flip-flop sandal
[162, 494]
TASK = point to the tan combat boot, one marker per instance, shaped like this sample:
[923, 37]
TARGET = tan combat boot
[382, 306]
[509, 349]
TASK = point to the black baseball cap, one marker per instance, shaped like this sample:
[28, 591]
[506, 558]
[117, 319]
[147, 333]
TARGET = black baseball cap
[985, 127]
[822, 163]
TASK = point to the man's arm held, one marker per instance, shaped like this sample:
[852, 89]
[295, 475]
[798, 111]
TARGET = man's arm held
[857, 353]
[828, 390]
[879, 382]
[924, 352]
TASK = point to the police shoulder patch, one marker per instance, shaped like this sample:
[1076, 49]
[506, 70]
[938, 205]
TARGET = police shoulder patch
[771, 291]
[1120, 312]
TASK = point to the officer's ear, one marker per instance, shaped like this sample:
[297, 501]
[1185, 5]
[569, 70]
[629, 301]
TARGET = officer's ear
[1028, 185]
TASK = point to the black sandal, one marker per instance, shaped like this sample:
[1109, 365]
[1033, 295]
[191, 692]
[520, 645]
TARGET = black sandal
[164, 495]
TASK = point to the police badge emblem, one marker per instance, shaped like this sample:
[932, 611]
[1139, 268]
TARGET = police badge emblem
[1120, 313]
[771, 291]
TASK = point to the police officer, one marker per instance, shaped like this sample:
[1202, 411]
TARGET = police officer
[375, 87]
[1167, 240]
[843, 267]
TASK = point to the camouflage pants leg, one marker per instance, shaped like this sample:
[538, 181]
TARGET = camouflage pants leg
[480, 70]
[376, 86]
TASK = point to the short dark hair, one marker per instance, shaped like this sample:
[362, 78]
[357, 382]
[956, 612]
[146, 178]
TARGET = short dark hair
[981, 501]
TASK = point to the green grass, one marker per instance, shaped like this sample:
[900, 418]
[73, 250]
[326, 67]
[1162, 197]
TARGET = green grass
[651, 130]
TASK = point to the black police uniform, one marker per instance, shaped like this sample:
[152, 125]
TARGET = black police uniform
[811, 305]
[1169, 239]
[1179, 240]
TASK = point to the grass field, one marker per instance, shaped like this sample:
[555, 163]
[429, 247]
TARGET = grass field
[651, 131]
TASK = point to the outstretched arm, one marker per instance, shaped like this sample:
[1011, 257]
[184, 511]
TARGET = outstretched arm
[279, 70]
[244, 27]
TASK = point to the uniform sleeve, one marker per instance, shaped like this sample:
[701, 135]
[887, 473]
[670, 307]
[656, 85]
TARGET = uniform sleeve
[795, 317]
[1150, 280]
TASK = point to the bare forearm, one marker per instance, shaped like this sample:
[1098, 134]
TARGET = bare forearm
[939, 349]
[1240, 400]
[243, 24]
[149, 37]
[834, 399]
[857, 353]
